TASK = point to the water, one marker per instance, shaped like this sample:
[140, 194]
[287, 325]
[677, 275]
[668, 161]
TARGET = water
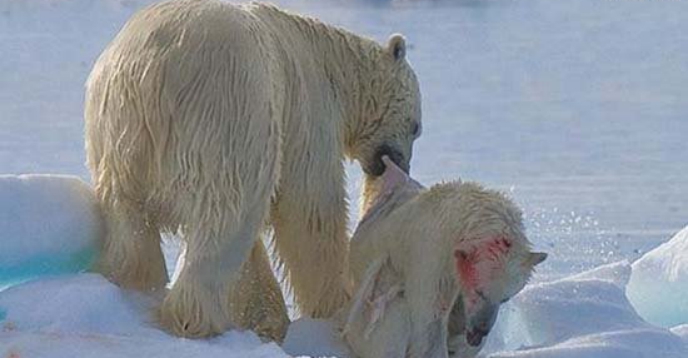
[579, 108]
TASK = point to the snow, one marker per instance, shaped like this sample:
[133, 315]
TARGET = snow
[659, 284]
[681, 331]
[548, 100]
[585, 315]
[50, 230]
[314, 337]
[48, 224]
[86, 316]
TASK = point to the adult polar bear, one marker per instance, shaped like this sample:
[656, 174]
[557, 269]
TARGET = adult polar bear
[215, 119]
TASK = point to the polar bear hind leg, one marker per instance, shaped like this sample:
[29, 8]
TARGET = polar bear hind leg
[257, 302]
[198, 304]
[131, 255]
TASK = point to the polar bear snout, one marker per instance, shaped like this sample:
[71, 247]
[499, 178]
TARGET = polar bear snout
[376, 167]
[480, 325]
[475, 338]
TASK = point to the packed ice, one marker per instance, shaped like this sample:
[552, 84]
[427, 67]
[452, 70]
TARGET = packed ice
[48, 224]
[658, 287]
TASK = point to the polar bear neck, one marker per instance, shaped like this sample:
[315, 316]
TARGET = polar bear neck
[350, 66]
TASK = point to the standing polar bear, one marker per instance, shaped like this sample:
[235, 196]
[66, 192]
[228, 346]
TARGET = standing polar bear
[219, 120]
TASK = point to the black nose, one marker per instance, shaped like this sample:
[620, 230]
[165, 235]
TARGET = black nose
[475, 337]
[376, 167]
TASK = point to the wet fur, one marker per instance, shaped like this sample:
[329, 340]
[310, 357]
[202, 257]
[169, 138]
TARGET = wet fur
[216, 121]
[415, 246]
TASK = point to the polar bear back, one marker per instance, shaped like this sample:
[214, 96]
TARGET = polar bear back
[170, 90]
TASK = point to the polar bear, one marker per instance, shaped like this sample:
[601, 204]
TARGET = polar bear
[432, 266]
[220, 121]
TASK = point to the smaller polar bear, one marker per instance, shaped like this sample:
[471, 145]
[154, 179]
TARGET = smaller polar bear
[432, 266]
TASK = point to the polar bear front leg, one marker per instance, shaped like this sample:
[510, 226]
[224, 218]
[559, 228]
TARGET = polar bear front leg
[131, 255]
[309, 217]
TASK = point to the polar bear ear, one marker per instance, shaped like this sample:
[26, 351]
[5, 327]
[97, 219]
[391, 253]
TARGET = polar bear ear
[396, 46]
[536, 258]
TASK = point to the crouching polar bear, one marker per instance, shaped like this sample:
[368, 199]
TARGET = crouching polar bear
[431, 268]
[219, 120]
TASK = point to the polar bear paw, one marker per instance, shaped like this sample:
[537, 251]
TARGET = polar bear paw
[194, 311]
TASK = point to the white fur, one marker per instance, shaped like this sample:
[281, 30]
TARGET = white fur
[413, 246]
[216, 120]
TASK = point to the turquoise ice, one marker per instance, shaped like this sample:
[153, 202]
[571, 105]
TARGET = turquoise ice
[47, 265]
[49, 225]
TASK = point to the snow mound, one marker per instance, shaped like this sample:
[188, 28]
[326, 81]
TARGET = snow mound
[87, 316]
[681, 331]
[314, 338]
[586, 315]
[48, 224]
[659, 284]
[635, 343]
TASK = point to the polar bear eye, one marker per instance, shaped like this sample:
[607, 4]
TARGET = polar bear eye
[415, 129]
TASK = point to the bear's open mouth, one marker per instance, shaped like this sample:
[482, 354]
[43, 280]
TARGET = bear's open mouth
[376, 167]
[475, 337]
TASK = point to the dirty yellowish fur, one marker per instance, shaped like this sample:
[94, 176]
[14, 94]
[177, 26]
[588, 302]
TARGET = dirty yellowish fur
[217, 121]
[413, 297]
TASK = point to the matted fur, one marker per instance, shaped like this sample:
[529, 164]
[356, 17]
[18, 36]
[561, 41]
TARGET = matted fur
[216, 120]
[407, 301]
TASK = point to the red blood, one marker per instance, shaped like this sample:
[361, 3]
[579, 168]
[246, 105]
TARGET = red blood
[492, 250]
[465, 267]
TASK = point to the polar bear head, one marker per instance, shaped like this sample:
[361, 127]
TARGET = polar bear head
[493, 262]
[390, 119]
